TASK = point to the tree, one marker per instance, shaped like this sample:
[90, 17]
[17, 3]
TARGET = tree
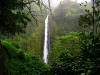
[13, 17]
[90, 20]
[88, 61]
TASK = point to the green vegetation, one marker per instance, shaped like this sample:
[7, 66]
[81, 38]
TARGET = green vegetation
[75, 60]
[12, 19]
[81, 59]
[74, 38]
[19, 63]
[67, 14]
[68, 43]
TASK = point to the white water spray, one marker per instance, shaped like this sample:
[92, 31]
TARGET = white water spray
[45, 50]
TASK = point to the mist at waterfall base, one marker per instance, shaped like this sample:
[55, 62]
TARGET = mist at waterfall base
[45, 50]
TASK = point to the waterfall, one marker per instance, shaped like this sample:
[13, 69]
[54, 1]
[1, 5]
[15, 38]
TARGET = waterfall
[46, 40]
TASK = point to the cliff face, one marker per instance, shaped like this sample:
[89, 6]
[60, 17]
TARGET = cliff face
[66, 16]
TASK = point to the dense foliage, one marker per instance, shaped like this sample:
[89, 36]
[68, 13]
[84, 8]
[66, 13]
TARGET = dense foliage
[19, 63]
[74, 36]
[12, 17]
[87, 60]
[68, 43]
[15, 15]
[25, 17]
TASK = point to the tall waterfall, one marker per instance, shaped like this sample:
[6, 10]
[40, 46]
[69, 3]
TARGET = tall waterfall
[46, 41]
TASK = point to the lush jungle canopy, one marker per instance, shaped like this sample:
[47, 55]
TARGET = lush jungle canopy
[74, 37]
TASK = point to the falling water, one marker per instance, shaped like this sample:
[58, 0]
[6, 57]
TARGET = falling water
[45, 50]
